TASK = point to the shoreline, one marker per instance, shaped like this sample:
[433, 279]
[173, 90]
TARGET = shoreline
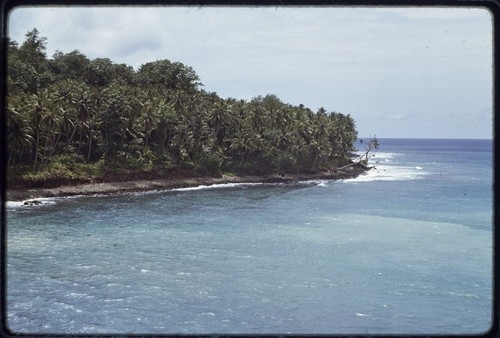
[132, 186]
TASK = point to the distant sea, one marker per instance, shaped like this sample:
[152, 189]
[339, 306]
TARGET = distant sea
[406, 248]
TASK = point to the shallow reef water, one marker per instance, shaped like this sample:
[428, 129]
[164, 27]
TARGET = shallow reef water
[406, 248]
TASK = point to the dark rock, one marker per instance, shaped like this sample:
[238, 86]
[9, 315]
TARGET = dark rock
[32, 202]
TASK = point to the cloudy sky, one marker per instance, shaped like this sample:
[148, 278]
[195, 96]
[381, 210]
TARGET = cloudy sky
[400, 72]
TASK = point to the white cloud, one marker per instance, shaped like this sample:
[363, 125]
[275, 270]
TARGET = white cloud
[438, 13]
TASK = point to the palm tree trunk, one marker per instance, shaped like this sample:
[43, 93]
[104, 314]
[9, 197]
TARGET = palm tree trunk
[90, 143]
[36, 148]
[54, 145]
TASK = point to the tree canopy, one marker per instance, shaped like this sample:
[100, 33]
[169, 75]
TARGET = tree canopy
[72, 118]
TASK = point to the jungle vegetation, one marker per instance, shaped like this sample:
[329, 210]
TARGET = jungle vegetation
[71, 119]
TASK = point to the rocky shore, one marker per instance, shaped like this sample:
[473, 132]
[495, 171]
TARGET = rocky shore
[112, 188]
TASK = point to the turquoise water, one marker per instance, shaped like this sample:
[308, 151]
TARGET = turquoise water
[406, 248]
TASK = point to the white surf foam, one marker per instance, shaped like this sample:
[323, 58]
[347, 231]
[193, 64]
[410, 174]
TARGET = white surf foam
[390, 173]
[43, 201]
[384, 156]
[317, 183]
[378, 155]
[14, 204]
[216, 186]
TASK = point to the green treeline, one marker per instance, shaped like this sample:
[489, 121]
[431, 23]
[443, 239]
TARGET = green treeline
[70, 118]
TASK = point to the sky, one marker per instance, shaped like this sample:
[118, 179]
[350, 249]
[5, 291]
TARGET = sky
[400, 72]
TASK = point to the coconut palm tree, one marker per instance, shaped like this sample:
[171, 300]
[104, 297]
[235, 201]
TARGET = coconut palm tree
[19, 134]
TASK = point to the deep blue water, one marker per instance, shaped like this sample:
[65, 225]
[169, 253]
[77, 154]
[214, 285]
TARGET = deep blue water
[406, 248]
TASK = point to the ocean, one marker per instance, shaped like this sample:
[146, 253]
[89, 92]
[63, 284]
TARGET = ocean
[404, 249]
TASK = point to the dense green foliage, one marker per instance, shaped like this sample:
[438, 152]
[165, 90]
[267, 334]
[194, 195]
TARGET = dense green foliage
[72, 118]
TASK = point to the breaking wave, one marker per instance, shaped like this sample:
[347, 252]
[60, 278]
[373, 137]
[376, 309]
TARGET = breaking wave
[31, 202]
[389, 173]
[386, 168]
[216, 186]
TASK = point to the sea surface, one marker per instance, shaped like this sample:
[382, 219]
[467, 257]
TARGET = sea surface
[406, 248]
